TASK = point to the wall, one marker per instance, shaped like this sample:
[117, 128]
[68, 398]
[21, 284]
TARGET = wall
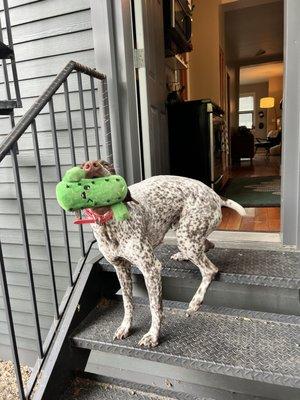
[47, 34]
[276, 91]
[260, 90]
[204, 73]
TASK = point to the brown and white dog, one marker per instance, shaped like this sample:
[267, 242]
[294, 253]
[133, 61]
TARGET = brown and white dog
[161, 202]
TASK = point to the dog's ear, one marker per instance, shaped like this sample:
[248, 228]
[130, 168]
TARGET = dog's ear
[110, 167]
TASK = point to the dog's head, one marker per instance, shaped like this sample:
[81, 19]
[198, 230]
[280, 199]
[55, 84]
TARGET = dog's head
[98, 169]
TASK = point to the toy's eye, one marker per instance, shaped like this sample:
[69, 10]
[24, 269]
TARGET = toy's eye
[83, 195]
[86, 187]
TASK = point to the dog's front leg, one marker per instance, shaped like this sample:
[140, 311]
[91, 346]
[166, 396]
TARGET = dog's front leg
[152, 276]
[122, 268]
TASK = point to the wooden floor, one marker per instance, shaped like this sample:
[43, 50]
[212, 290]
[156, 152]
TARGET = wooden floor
[262, 219]
[260, 166]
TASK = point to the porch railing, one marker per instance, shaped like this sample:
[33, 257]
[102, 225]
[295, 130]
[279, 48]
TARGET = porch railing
[102, 137]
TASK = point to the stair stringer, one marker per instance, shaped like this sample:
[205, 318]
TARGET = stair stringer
[63, 359]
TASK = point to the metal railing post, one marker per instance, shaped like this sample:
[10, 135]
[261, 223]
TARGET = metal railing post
[72, 148]
[44, 215]
[83, 121]
[105, 118]
[97, 141]
[59, 176]
[27, 251]
[11, 329]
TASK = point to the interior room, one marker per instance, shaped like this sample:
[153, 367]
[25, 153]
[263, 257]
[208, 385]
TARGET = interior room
[256, 148]
[237, 71]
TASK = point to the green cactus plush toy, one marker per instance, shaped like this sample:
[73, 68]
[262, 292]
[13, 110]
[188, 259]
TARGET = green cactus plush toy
[75, 192]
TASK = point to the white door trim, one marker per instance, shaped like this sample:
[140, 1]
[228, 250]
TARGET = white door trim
[290, 182]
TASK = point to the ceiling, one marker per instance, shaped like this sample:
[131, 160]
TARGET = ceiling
[238, 4]
[260, 73]
[254, 31]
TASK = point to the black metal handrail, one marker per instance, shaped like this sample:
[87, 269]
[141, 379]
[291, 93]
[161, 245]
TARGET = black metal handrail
[7, 147]
[40, 103]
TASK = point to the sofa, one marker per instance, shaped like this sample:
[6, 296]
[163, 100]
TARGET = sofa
[242, 144]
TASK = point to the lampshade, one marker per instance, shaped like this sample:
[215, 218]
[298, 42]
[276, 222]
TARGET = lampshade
[267, 102]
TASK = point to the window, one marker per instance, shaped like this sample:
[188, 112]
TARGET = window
[246, 111]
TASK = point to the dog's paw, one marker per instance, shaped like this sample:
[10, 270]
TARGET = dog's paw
[148, 340]
[178, 257]
[121, 333]
[193, 308]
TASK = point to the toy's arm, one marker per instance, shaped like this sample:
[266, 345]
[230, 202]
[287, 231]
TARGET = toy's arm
[120, 211]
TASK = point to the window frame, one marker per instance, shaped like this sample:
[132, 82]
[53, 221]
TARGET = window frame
[248, 111]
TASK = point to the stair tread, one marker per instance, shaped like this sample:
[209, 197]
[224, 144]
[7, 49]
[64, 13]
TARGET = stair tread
[110, 389]
[5, 51]
[241, 266]
[238, 343]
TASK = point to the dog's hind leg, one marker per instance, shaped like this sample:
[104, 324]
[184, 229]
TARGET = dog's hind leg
[208, 271]
[122, 268]
[180, 257]
[192, 243]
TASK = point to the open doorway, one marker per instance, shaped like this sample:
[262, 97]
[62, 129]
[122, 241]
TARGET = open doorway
[213, 109]
[254, 52]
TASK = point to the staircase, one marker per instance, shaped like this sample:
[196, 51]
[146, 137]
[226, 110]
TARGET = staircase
[8, 105]
[243, 344]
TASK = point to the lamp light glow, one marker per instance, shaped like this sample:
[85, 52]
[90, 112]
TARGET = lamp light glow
[267, 102]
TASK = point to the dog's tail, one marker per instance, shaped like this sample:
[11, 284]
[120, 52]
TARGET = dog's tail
[234, 205]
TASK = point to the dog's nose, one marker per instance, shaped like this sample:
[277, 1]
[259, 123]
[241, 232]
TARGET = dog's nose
[87, 166]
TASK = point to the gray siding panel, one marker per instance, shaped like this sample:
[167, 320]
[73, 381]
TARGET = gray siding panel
[38, 10]
[54, 26]
[47, 34]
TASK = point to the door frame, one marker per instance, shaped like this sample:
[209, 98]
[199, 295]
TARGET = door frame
[113, 43]
[290, 181]
[113, 49]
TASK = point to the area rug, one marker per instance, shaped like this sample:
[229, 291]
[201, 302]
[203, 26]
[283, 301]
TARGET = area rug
[254, 192]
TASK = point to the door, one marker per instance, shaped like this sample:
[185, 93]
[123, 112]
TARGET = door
[151, 81]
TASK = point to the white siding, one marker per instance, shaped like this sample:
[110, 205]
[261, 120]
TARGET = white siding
[47, 34]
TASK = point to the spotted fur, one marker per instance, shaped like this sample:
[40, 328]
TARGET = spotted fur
[163, 202]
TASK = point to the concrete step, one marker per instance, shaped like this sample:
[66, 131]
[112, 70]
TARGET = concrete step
[226, 350]
[95, 388]
[261, 280]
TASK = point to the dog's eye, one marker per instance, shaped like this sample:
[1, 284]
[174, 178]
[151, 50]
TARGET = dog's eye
[86, 187]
